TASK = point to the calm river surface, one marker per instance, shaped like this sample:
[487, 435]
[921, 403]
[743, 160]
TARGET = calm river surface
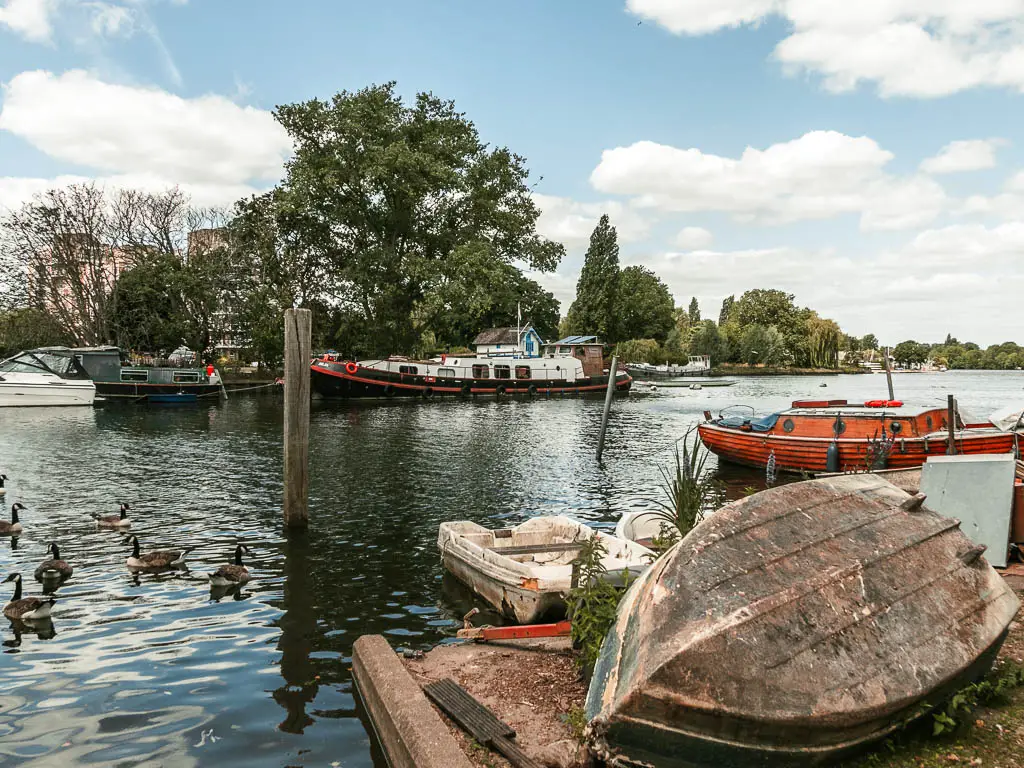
[153, 671]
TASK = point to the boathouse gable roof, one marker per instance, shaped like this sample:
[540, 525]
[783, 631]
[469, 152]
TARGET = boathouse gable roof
[504, 335]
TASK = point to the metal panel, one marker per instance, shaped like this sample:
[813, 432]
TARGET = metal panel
[977, 491]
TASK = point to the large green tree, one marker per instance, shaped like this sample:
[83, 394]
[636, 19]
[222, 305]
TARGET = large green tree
[644, 307]
[706, 340]
[726, 311]
[387, 210]
[597, 290]
[694, 311]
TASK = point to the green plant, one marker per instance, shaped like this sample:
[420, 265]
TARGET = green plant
[593, 602]
[993, 689]
[690, 490]
[576, 720]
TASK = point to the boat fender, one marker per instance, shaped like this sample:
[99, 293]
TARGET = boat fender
[351, 368]
[832, 457]
[903, 445]
[500, 390]
[428, 393]
[532, 390]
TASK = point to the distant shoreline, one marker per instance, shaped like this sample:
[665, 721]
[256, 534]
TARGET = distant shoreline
[727, 369]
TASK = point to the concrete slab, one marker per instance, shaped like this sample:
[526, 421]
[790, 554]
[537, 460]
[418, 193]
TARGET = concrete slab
[977, 490]
[408, 727]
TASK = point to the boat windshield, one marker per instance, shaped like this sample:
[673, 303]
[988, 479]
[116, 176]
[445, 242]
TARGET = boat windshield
[65, 366]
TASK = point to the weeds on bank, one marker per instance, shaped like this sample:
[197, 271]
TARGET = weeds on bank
[995, 689]
[576, 720]
[593, 603]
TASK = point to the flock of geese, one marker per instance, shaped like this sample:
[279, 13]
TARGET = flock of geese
[54, 572]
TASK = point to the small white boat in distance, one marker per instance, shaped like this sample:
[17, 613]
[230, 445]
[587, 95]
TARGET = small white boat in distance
[526, 572]
[44, 378]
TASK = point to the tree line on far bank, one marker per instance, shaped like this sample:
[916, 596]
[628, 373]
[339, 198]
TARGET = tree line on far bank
[634, 309]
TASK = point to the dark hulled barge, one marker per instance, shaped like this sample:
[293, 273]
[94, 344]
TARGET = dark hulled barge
[568, 367]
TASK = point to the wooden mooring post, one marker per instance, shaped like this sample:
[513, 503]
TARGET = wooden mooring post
[951, 424]
[298, 325]
[888, 375]
[607, 406]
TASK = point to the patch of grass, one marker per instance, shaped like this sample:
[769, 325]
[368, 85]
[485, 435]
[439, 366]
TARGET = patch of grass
[576, 720]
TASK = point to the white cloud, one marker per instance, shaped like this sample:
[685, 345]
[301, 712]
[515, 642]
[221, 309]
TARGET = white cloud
[210, 146]
[110, 20]
[692, 238]
[898, 294]
[922, 48]
[817, 176]
[28, 18]
[1008, 204]
[570, 222]
[958, 156]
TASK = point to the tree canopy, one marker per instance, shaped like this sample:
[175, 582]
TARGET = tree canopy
[644, 306]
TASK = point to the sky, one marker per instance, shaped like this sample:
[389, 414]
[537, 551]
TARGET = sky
[864, 156]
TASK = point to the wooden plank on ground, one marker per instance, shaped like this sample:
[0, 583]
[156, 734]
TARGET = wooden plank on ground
[478, 721]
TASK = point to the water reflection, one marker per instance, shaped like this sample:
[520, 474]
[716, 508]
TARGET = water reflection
[298, 627]
[161, 667]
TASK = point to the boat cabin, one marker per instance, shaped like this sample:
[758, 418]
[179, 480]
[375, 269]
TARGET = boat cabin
[522, 341]
[59, 361]
[104, 365]
[587, 349]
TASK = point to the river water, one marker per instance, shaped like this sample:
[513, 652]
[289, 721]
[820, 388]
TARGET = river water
[157, 671]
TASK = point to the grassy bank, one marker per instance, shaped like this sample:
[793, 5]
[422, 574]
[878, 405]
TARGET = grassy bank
[736, 369]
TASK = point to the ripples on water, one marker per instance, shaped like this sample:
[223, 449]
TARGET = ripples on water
[154, 670]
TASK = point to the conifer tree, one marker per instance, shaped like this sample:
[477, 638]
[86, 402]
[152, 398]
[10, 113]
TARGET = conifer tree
[593, 311]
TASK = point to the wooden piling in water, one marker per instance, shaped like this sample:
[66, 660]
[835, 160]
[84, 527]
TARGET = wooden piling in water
[951, 424]
[298, 324]
[888, 375]
[607, 405]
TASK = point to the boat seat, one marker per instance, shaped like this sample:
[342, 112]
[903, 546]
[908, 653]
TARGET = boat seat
[764, 424]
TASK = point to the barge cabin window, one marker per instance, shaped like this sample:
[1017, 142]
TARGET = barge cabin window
[446, 373]
[185, 377]
[522, 371]
[135, 376]
[408, 369]
[502, 372]
[481, 372]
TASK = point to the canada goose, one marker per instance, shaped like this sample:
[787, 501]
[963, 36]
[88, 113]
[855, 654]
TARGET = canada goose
[12, 528]
[29, 608]
[3, 491]
[113, 521]
[232, 573]
[55, 568]
[164, 558]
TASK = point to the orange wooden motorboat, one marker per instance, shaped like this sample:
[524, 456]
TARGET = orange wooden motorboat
[837, 436]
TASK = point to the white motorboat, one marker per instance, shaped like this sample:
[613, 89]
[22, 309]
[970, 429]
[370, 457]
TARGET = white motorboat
[526, 572]
[45, 379]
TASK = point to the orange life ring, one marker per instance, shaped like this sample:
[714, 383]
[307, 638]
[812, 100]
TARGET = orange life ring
[351, 368]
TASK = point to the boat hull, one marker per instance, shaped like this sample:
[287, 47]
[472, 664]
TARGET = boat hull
[810, 454]
[333, 380]
[795, 627]
[132, 391]
[50, 393]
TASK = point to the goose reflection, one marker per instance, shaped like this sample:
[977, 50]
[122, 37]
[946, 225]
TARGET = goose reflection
[42, 629]
[219, 592]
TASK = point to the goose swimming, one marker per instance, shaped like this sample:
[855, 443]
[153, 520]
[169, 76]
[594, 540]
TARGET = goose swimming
[55, 568]
[27, 608]
[161, 558]
[113, 521]
[12, 528]
[234, 573]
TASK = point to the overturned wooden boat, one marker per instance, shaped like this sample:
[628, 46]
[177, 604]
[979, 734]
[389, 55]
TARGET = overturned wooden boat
[526, 572]
[795, 626]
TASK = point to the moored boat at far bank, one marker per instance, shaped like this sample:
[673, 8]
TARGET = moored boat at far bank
[571, 366]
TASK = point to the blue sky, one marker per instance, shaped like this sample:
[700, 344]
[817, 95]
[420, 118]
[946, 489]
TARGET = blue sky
[796, 144]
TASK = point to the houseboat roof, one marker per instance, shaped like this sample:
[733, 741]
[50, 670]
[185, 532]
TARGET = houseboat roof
[502, 335]
[576, 340]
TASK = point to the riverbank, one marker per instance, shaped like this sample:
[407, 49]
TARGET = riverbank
[733, 369]
[534, 687]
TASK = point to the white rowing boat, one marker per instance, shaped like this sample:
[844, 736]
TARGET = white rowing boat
[526, 572]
